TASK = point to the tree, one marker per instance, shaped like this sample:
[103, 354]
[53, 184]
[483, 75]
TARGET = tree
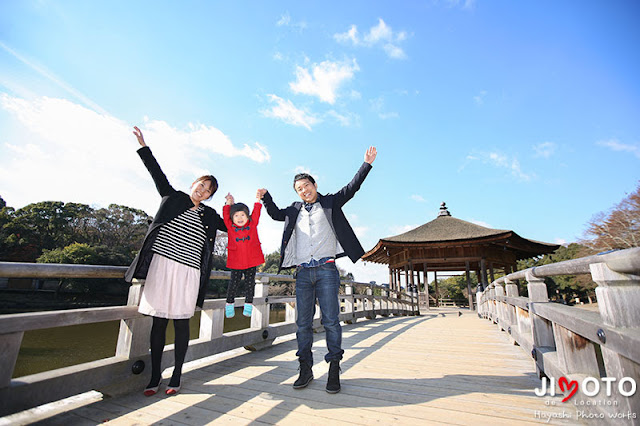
[563, 287]
[39, 226]
[271, 262]
[84, 254]
[6, 215]
[618, 228]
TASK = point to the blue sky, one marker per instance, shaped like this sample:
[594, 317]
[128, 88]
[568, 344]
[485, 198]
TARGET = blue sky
[519, 115]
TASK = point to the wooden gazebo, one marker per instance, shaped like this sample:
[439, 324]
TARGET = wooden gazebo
[450, 244]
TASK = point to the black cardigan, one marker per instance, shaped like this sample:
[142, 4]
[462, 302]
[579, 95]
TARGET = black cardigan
[332, 206]
[172, 205]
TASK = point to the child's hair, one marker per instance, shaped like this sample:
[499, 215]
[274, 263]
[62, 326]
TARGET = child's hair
[212, 180]
[239, 207]
[301, 176]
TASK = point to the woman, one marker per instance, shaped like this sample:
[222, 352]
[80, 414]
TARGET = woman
[175, 261]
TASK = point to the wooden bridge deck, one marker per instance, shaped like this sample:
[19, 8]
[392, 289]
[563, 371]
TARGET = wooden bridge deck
[436, 368]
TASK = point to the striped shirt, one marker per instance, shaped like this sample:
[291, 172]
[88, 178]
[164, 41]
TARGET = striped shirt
[182, 239]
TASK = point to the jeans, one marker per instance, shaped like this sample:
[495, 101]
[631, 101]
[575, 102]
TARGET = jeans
[321, 282]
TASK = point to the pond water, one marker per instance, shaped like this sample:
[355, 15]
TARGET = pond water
[52, 348]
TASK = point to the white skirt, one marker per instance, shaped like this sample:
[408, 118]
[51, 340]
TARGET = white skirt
[170, 289]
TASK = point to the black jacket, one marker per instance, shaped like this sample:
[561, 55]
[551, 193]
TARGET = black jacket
[172, 205]
[332, 207]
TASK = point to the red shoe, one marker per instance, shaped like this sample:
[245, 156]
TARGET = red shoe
[152, 390]
[171, 390]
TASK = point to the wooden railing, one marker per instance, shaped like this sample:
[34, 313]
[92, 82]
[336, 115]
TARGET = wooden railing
[120, 373]
[599, 350]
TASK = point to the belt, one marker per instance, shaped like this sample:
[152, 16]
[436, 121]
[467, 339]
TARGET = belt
[313, 263]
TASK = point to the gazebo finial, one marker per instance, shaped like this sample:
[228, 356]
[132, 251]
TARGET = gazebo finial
[443, 210]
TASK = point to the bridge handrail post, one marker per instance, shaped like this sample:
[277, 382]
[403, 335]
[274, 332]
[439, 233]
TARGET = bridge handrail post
[349, 304]
[500, 308]
[371, 311]
[511, 290]
[541, 329]
[480, 302]
[618, 296]
[9, 349]
[492, 302]
[133, 336]
[260, 315]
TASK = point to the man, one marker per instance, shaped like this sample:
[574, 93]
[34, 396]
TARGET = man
[316, 232]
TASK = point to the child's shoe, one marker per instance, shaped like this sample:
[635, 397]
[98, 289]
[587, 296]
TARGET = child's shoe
[229, 310]
[248, 309]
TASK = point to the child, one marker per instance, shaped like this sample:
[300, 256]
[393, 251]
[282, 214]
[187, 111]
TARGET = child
[244, 252]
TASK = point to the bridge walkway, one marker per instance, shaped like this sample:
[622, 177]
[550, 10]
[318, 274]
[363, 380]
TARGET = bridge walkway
[443, 367]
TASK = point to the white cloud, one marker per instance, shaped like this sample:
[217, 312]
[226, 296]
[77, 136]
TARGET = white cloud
[463, 4]
[360, 231]
[324, 79]
[209, 139]
[345, 120]
[544, 149]
[302, 169]
[418, 198]
[481, 223]
[76, 154]
[616, 145]
[365, 272]
[479, 99]
[349, 36]
[44, 72]
[286, 111]
[401, 229]
[500, 161]
[285, 21]
[561, 241]
[380, 35]
[512, 164]
[388, 115]
[377, 105]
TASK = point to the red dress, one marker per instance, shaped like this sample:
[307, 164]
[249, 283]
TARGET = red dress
[244, 249]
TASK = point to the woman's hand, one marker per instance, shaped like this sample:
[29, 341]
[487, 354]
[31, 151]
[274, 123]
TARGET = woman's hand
[229, 199]
[260, 194]
[138, 134]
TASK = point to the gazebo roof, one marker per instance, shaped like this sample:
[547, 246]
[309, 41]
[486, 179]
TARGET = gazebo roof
[447, 231]
[445, 228]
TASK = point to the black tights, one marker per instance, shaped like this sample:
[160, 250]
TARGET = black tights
[249, 284]
[158, 334]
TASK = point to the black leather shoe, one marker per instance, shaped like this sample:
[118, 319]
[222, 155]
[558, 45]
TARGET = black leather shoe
[333, 383]
[306, 376]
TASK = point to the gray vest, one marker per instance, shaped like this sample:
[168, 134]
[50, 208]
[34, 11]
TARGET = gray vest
[312, 237]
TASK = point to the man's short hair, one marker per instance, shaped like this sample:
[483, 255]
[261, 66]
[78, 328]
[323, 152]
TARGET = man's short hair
[302, 176]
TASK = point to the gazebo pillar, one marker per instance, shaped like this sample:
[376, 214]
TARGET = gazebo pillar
[406, 277]
[469, 293]
[483, 271]
[426, 285]
[435, 287]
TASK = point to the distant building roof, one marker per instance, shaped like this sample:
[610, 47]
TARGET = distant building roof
[446, 230]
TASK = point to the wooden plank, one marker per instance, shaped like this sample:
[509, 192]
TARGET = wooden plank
[450, 369]
[625, 341]
[12, 323]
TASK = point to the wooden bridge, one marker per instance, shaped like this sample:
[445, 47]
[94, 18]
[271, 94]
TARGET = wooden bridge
[401, 365]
